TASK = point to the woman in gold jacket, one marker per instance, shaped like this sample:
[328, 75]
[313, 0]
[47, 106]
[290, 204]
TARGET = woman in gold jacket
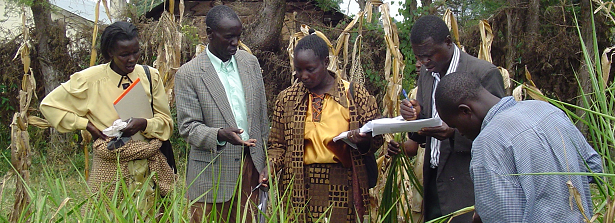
[307, 116]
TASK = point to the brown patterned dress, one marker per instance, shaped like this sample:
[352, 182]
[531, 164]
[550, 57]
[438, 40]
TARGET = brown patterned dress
[318, 187]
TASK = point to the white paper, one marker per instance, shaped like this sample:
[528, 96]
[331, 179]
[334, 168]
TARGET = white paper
[390, 125]
[397, 124]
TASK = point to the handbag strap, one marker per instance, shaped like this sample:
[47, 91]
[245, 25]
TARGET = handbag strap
[149, 79]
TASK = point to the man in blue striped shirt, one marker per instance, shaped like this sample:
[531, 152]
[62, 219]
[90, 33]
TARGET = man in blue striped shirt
[519, 138]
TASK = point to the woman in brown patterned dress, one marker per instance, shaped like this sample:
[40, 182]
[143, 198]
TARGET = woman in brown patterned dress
[307, 115]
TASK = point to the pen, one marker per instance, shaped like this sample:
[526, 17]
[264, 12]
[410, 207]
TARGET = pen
[403, 91]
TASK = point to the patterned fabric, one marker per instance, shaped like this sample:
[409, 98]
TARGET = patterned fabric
[530, 137]
[286, 145]
[202, 109]
[105, 162]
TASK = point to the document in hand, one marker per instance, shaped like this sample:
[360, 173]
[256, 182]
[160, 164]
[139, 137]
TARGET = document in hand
[134, 103]
[391, 125]
[398, 124]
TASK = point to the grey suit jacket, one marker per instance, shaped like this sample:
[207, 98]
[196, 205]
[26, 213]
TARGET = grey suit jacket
[455, 189]
[202, 109]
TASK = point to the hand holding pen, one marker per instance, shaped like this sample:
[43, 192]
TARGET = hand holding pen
[409, 109]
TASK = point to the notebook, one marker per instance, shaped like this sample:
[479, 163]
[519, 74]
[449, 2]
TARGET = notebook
[134, 103]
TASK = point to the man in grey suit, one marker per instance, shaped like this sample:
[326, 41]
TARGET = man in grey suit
[222, 114]
[446, 178]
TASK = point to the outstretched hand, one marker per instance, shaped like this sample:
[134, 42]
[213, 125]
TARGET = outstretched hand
[439, 132]
[231, 135]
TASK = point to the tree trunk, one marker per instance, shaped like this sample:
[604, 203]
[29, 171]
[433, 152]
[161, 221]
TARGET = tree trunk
[584, 78]
[362, 4]
[513, 28]
[533, 19]
[118, 10]
[51, 52]
[265, 30]
[50, 38]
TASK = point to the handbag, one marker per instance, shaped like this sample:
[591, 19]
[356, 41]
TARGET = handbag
[166, 148]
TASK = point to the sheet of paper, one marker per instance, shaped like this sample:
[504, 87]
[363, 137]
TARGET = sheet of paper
[397, 124]
[390, 125]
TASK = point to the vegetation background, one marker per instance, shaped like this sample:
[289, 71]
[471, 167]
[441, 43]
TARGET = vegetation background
[557, 40]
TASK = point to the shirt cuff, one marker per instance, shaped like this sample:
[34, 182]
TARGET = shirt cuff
[148, 127]
[81, 123]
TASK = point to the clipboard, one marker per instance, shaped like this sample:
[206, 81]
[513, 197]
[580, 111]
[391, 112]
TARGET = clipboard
[134, 103]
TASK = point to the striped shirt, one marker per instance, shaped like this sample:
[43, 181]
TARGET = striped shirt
[530, 137]
[435, 143]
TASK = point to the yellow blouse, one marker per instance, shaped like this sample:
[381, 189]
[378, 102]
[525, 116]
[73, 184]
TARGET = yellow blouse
[89, 95]
[319, 145]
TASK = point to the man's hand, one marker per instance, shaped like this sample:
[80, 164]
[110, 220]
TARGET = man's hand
[439, 132]
[134, 125]
[392, 149]
[410, 148]
[95, 132]
[231, 135]
[263, 178]
[409, 110]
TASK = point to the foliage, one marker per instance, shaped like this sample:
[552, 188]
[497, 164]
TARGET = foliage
[395, 199]
[329, 5]
[60, 195]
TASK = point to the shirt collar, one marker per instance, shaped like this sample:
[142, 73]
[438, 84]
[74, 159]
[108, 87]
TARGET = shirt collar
[452, 67]
[217, 63]
[503, 104]
[337, 91]
[117, 78]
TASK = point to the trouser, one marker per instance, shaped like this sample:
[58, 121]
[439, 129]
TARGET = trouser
[227, 211]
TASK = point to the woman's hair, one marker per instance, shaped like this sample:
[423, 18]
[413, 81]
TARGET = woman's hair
[314, 43]
[117, 31]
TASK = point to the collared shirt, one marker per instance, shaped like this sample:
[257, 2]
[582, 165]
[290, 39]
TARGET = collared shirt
[435, 143]
[229, 76]
[530, 137]
[88, 97]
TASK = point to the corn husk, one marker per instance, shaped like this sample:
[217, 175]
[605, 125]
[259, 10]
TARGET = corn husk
[451, 22]
[20, 139]
[605, 62]
[486, 36]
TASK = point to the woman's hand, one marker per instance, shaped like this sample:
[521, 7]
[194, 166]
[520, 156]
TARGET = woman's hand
[134, 125]
[357, 137]
[96, 134]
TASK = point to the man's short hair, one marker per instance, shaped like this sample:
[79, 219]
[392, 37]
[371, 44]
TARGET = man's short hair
[429, 26]
[314, 43]
[456, 88]
[217, 13]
